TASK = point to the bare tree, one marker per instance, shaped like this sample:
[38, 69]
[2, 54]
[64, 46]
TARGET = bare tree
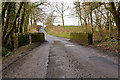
[50, 18]
[60, 9]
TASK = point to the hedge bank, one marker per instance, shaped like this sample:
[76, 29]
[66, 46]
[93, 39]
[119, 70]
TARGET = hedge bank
[82, 38]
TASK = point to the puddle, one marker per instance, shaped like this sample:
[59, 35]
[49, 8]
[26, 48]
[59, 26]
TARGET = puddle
[69, 45]
[62, 77]
[57, 61]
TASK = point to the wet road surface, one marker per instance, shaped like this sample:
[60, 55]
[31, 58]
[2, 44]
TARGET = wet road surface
[59, 58]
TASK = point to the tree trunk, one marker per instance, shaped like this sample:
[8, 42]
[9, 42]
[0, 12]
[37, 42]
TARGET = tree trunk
[12, 15]
[85, 20]
[18, 25]
[119, 29]
[63, 20]
[118, 20]
[79, 14]
[4, 7]
[14, 21]
[116, 15]
[9, 43]
[62, 15]
[35, 23]
[91, 20]
[5, 25]
[22, 19]
[26, 19]
[110, 26]
[30, 39]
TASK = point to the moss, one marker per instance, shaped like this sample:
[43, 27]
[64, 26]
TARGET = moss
[5, 51]
[37, 37]
[83, 38]
[23, 39]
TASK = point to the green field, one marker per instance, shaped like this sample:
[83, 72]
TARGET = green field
[60, 31]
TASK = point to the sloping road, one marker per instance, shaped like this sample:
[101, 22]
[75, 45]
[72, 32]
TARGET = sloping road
[59, 58]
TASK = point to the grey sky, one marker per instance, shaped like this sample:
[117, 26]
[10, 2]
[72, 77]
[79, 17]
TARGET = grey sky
[68, 19]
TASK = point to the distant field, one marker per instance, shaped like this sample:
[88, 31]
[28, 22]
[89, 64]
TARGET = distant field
[60, 31]
[65, 31]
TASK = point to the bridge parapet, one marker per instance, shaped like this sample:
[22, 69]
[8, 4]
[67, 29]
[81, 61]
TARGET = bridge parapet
[82, 38]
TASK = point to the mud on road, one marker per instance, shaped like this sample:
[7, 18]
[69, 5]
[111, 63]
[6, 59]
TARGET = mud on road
[65, 63]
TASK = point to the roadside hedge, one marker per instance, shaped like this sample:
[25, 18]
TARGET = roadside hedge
[23, 39]
[37, 37]
[82, 38]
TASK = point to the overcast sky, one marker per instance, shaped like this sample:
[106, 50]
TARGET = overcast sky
[67, 20]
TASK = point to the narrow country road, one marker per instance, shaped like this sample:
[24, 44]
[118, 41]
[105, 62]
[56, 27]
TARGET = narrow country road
[59, 58]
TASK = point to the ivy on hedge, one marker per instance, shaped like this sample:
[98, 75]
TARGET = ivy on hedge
[82, 38]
